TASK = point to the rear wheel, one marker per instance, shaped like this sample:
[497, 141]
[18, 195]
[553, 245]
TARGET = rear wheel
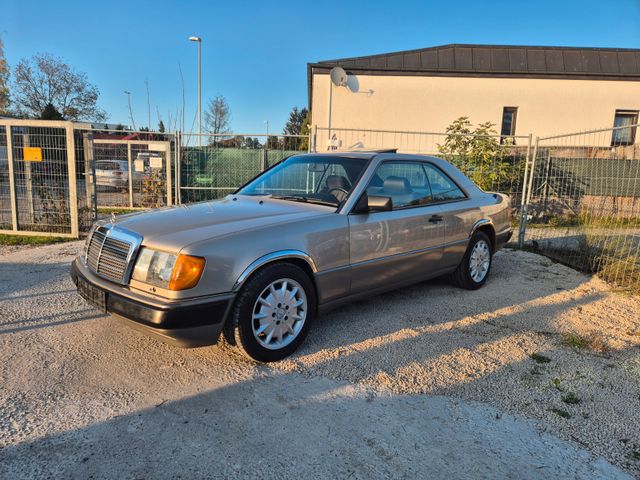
[474, 268]
[273, 312]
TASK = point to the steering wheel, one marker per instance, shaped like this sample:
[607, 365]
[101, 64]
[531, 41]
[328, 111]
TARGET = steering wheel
[342, 193]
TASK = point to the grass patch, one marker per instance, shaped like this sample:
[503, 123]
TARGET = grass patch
[614, 258]
[584, 219]
[115, 210]
[574, 340]
[635, 455]
[560, 412]
[539, 358]
[571, 399]
[622, 273]
[594, 342]
[556, 383]
[31, 240]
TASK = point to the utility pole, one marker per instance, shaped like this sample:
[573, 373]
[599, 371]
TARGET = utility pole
[199, 40]
[146, 82]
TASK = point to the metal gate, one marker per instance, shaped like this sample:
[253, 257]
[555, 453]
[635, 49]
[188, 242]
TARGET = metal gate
[131, 173]
[583, 203]
[39, 189]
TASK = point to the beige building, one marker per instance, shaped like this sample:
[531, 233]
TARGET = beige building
[542, 91]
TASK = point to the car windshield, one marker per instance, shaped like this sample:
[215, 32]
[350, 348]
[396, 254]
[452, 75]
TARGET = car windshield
[309, 178]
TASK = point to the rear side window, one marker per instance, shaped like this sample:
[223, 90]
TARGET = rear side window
[405, 182]
[442, 187]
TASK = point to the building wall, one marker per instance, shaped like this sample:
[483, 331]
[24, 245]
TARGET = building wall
[416, 103]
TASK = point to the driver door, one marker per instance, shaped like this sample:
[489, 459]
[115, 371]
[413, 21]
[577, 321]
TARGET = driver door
[401, 245]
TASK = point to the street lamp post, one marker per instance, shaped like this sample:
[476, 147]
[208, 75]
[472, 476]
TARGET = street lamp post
[199, 40]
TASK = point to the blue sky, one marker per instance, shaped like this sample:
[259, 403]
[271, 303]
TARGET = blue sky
[255, 53]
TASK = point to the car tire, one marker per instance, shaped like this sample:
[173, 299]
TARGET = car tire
[273, 312]
[473, 271]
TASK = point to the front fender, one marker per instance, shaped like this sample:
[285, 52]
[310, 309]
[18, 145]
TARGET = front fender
[272, 257]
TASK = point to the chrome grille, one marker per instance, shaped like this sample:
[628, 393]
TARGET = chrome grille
[110, 251]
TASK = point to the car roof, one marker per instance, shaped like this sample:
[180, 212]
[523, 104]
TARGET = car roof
[369, 154]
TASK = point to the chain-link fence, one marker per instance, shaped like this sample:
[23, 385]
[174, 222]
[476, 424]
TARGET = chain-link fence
[495, 163]
[583, 205]
[212, 166]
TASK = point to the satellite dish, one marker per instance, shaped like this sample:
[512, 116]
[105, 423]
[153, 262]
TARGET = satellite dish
[338, 76]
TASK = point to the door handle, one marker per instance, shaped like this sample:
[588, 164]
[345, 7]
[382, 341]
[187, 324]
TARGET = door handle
[436, 218]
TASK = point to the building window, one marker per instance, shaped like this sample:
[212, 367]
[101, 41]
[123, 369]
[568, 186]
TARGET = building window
[624, 136]
[508, 124]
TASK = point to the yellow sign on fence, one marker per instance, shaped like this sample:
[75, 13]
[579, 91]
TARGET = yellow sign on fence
[32, 154]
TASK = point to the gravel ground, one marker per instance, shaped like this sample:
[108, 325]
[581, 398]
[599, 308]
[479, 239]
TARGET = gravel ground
[84, 396]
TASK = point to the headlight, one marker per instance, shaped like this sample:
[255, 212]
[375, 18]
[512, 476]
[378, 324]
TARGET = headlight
[166, 270]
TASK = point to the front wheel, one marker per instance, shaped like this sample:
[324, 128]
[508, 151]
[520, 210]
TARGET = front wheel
[474, 268]
[273, 312]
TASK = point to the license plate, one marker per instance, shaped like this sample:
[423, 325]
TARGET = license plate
[92, 295]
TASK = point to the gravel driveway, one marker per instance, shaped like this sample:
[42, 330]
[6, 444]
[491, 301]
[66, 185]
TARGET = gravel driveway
[427, 382]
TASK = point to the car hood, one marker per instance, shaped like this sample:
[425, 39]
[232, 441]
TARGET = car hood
[173, 228]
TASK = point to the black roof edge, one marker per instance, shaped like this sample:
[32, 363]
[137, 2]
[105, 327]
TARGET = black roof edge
[480, 45]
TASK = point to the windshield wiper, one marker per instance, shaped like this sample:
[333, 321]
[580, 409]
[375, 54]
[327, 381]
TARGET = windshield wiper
[295, 198]
[303, 199]
[321, 202]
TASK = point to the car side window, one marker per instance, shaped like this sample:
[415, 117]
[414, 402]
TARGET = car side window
[405, 182]
[442, 187]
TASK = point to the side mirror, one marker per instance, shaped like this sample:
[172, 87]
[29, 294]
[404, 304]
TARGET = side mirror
[373, 203]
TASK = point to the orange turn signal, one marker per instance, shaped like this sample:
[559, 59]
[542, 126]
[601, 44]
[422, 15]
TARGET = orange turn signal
[186, 272]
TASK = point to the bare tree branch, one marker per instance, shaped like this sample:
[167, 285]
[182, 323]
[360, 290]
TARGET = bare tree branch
[217, 117]
[45, 79]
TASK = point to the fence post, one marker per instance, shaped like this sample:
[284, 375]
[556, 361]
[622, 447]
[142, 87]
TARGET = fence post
[167, 153]
[73, 181]
[176, 161]
[90, 173]
[263, 158]
[527, 196]
[523, 208]
[12, 180]
[312, 138]
[130, 175]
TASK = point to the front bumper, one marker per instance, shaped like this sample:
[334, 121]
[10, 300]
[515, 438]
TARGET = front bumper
[187, 323]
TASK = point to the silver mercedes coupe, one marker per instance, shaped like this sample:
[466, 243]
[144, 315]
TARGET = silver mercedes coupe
[311, 233]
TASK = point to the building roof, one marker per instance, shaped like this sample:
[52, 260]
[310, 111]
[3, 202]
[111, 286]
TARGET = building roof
[495, 60]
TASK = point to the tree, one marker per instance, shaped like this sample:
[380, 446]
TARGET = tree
[274, 143]
[294, 127]
[161, 126]
[305, 130]
[294, 124]
[50, 113]
[45, 79]
[477, 152]
[4, 82]
[251, 142]
[217, 117]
